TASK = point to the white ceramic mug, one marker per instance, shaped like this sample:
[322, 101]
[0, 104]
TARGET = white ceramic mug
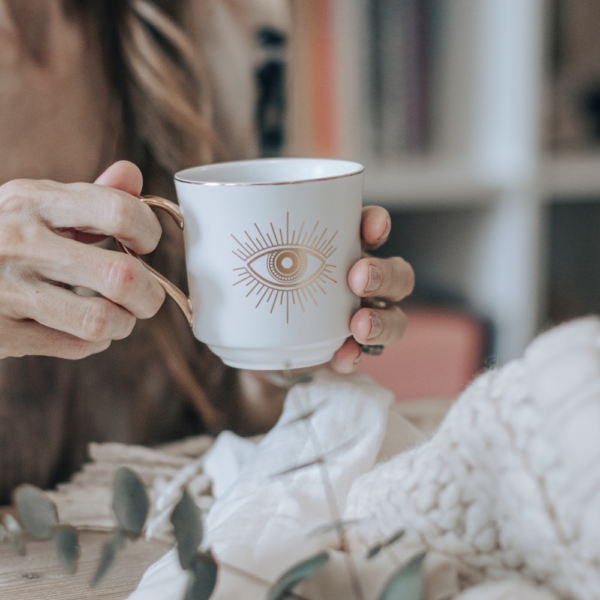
[268, 245]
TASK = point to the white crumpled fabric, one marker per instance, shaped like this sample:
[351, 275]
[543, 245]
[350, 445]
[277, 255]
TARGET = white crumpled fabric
[223, 463]
[504, 497]
[261, 523]
[506, 590]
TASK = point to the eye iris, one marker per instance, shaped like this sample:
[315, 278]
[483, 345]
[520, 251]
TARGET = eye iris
[287, 266]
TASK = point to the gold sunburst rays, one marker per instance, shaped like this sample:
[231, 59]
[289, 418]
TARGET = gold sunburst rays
[294, 264]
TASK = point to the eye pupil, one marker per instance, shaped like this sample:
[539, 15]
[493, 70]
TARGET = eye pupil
[287, 265]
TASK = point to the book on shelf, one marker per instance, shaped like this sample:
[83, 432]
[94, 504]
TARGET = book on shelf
[572, 116]
[443, 349]
[391, 83]
[312, 93]
[398, 75]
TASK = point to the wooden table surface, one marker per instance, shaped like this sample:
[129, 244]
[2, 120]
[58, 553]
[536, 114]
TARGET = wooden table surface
[38, 575]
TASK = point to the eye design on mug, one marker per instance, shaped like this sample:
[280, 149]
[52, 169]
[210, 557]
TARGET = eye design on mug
[294, 266]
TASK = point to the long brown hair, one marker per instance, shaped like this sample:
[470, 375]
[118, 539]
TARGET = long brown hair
[165, 95]
[160, 382]
[160, 76]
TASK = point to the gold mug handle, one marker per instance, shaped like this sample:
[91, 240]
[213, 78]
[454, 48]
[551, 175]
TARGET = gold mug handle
[184, 303]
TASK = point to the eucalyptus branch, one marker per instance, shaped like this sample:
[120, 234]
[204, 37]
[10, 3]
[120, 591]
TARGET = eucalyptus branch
[131, 507]
[335, 515]
[257, 579]
[39, 516]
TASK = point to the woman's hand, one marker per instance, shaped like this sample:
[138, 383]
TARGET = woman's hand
[390, 279]
[46, 229]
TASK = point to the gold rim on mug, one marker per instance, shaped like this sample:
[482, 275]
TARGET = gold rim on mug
[257, 183]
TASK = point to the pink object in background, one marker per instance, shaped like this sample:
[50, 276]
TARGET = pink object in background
[441, 352]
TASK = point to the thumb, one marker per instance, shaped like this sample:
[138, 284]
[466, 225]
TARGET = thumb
[124, 176]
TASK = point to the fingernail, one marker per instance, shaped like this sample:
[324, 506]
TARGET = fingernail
[375, 278]
[388, 228]
[376, 325]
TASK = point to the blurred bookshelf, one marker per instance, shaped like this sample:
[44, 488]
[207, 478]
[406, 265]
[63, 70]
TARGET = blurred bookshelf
[479, 124]
[571, 175]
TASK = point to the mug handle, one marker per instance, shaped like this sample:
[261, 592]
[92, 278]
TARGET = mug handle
[184, 303]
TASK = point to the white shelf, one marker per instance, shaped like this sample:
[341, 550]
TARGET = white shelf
[430, 183]
[425, 184]
[570, 177]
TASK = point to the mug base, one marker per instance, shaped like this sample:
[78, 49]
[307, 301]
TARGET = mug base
[277, 359]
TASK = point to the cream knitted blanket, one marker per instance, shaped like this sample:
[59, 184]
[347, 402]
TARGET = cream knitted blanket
[510, 484]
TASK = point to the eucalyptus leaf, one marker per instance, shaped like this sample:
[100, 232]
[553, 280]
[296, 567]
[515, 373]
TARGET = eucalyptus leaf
[37, 512]
[17, 541]
[303, 378]
[15, 534]
[297, 574]
[187, 528]
[348, 444]
[288, 381]
[11, 524]
[306, 415]
[66, 544]
[203, 577]
[108, 555]
[319, 460]
[334, 526]
[406, 583]
[277, 379]
[300, 467]
[129, 535]
[130, 501]
[377, 548]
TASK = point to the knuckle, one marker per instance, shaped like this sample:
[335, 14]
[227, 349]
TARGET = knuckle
[12, 239]
[403, 278]
[121, 273]
[398, 266]
[130, 324]
[79, 187]
[12, 194]
[96, 322]
[121, 215]
[20, 226]
[155, 298]
[78, 349]
[126, 328]
[400, 321]
[153, 226]
[12, 187]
